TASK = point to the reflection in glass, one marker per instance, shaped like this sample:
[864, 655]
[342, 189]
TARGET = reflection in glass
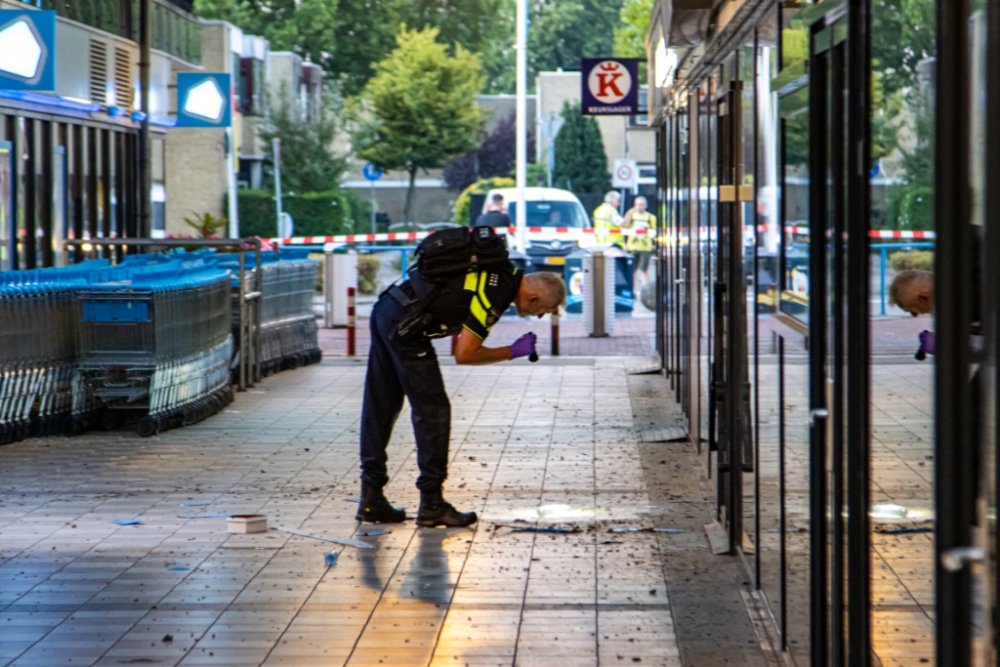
[902, 388]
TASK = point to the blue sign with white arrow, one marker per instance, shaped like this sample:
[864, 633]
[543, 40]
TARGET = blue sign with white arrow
[27, 50]
[371, 172]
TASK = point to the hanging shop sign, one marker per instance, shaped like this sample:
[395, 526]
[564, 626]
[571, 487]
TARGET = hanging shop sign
[610, 86]
[27, 50]
[204, 100]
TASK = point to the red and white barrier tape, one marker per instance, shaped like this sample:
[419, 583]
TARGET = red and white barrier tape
[564, 233]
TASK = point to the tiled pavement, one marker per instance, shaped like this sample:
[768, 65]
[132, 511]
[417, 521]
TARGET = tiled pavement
[543, 445]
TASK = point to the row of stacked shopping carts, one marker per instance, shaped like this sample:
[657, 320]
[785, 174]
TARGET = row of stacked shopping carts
[288, 330]
[149, 339]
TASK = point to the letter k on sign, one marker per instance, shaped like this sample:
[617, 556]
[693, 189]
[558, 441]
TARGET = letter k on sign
[609, 82]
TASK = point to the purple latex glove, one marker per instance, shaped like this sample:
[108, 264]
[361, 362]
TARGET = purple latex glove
[523, 346]
[927, 341]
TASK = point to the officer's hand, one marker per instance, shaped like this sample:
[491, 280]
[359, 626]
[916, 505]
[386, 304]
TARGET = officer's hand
[927, 342]
[523, 346]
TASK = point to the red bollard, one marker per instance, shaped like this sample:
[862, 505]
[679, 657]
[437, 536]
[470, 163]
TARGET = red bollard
[555, 335]
[350, 321]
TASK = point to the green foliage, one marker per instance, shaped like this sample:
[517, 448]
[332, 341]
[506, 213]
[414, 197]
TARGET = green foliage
[305, 27]
[308, 163]
[912, 260]
[419, 109]
[368, 266]
[581, 163]
[482, 186]
[367, 31]
[208, 226]
[314, 213]
[630, 36]
[903, 33]
[561, 32]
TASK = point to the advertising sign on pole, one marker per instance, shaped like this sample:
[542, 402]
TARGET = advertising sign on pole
[610, 86]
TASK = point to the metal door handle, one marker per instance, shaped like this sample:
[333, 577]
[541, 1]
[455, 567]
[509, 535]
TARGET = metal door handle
[817, 413]
[955, 559]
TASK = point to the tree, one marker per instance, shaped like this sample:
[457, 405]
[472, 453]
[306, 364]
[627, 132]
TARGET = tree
[494, 157]
[305, 27]
[308, 163]
[581, 163]
[365, 35]
[630, 36]
[419, 109]
[561, 33]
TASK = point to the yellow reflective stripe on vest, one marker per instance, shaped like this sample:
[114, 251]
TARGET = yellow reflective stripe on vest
[479, 306]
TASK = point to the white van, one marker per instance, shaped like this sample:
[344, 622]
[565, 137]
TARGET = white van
[547, 207]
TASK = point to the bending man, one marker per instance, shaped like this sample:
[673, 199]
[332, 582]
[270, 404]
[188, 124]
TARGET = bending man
[470, 304]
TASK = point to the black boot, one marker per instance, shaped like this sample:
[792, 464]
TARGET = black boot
[436, 511]
[376, 509]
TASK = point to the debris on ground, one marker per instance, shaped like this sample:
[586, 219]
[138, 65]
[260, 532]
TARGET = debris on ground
[129, 522]
[331, 559]
[789, 530]
[669, 531]
[201, 504]
[357, 544]
[541, 529]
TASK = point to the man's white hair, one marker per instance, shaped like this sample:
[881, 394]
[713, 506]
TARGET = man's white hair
[611, 196]
[547, 286]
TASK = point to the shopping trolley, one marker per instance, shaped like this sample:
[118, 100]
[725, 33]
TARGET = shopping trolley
[153, 337]
[38, 350]
[288, 331]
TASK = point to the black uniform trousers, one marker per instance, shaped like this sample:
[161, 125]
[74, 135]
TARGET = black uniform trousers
[396, 370]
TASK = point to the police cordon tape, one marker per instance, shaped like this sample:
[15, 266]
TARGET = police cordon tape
[560, 234]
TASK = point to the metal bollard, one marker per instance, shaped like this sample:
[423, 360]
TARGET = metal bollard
[351, 321]
[555, 335]
[597, 288]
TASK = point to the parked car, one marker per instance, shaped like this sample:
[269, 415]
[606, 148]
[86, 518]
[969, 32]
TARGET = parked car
[547, 207]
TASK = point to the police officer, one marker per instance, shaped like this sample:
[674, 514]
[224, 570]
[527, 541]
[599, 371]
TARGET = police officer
[638, 218]
[606, 216]
[399, 366]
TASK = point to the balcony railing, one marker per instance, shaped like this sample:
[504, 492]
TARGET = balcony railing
[174, 30]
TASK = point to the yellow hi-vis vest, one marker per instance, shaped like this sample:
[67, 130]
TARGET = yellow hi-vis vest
[603, 217]
[646, 221]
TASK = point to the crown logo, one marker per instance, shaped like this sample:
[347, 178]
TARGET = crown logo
[609, 67]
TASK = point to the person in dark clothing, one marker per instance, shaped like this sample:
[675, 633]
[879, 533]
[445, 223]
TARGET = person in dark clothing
[468, 305]
[495, 215]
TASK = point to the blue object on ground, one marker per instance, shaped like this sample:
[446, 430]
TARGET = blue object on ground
[374, 533]
[331, 559]
[178, 569]
[193, 504]
[129, 522]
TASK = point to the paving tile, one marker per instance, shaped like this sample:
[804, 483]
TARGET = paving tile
[532, 446]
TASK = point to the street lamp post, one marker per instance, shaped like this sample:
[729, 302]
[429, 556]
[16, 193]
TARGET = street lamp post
[144, 228]
[521, 144]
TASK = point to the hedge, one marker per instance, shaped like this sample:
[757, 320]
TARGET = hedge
[314, 213]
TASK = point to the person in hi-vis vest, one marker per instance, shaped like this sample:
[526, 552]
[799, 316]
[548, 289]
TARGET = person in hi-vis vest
[638, 219]
[606, 216]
